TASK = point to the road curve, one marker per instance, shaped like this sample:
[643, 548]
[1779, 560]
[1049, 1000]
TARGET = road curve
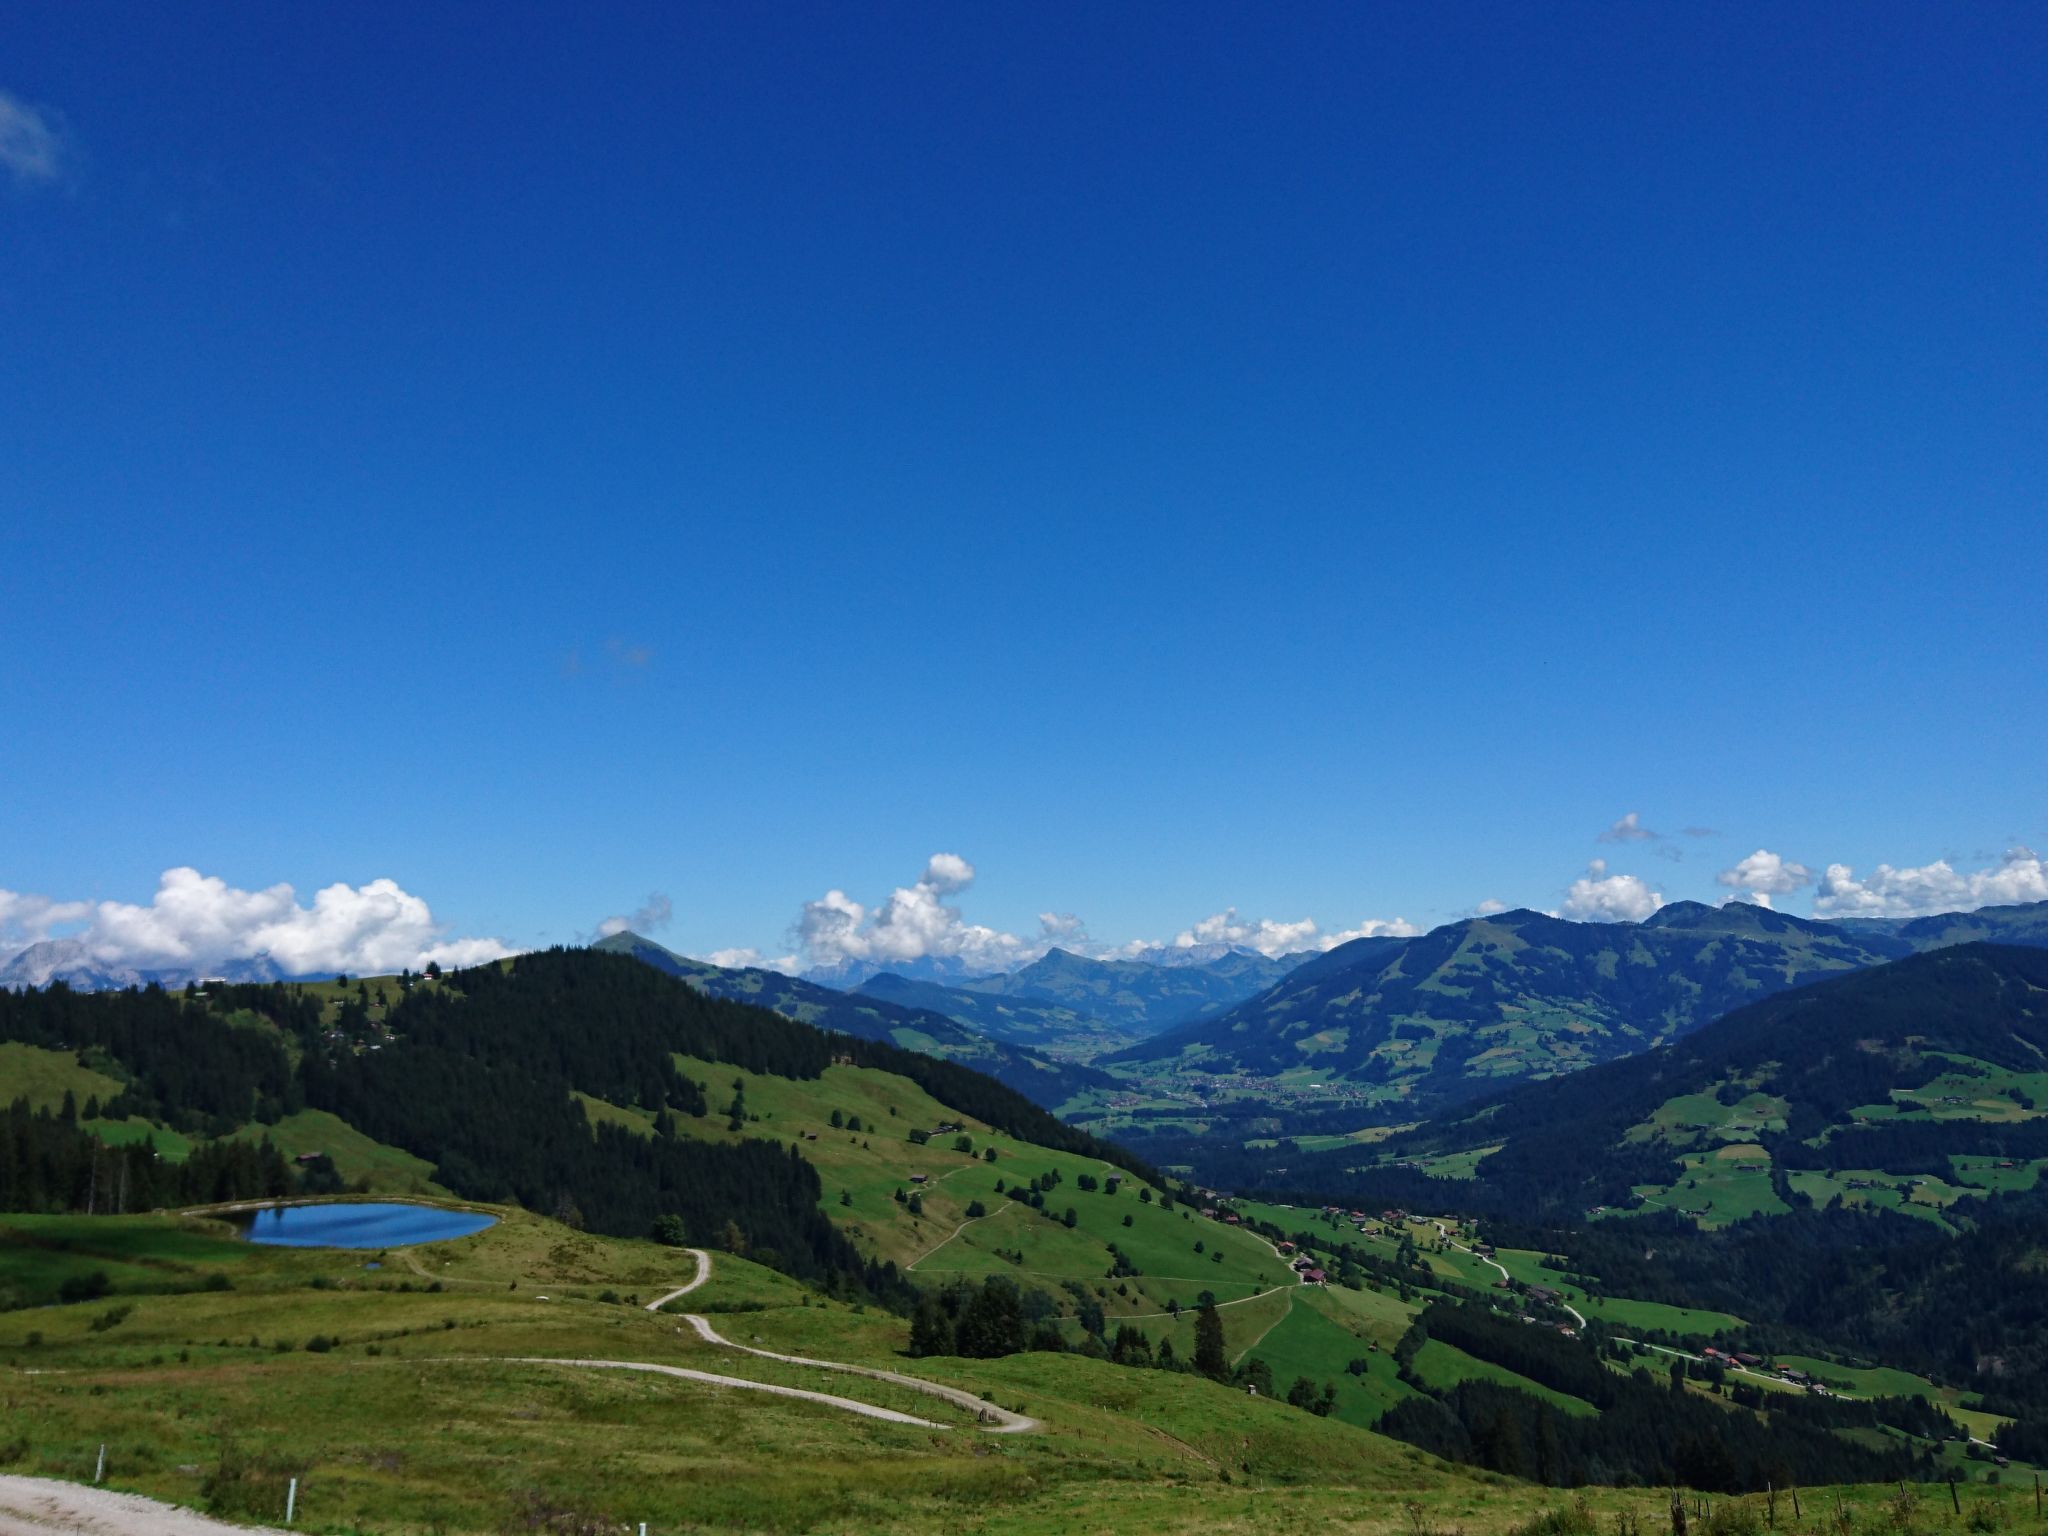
[844, 1404]
[703, 1273]
[997, 1421]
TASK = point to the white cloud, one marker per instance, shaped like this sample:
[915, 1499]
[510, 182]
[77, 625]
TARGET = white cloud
[752, 959]
[1938, 887]
[1629, 829]
[199, 922]
[654, 913]
[1371, 928]
[1489, 907]
[25, 919]
[1273, 938]
[947, 873]
[1265, 935]
[31, 145]
[1599, 897]
[915, 923]
[1765, 874]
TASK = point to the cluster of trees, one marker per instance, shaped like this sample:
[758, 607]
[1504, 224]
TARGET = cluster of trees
[994, 1317]
[1647, 1431]
[499, 1121]
[1962, 1307]
[203, 1066]
[49, 1162]
[479, 1076]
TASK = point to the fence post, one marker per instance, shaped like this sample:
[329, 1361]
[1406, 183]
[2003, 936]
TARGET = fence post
[291, 1501]
[100, 1470]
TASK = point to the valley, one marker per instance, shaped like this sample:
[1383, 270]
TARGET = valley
[1431, 1292]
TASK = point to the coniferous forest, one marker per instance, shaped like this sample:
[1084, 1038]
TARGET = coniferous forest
[478, 1076]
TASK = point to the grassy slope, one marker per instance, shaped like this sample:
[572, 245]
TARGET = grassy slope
[413, 1421]
[870, 1166]
[383, 1169]
[43, 1077]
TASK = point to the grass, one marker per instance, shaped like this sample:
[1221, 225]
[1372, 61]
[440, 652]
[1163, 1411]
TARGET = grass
[1445, 1365]
[1317, 1337]
[43, 1077]
[416, 1421]
[869, 1167]
[359, 1160]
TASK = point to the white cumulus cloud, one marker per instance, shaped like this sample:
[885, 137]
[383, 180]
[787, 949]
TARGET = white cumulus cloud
[197, 922]
[917, 922]
[24, 919]
[1599, 897]
[1274, 938]
[1764, 875]
[1489, 907]
[1928, 888]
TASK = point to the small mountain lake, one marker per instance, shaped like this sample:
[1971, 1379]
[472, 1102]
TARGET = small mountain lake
[358, 1225]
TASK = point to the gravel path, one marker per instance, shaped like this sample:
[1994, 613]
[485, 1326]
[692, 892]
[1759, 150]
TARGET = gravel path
[844, 1404]
[997, 1421]
[703, 1273]
[41, 1506]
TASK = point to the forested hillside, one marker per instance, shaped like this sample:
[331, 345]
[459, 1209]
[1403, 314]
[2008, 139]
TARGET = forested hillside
[906, 1023]
[487, 1075]
[1489, 1000]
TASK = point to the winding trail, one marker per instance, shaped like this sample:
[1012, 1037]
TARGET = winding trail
[997, 1421]
[1256, 1342]
[1579, 1316]
[844, 1404]
[935, 1247]
[1132, 1317]
[703, 1273]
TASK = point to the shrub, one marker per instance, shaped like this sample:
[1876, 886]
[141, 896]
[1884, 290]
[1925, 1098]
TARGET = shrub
[84, 1287]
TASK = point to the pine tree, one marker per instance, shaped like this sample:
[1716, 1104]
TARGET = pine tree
[930, 1332]
[1211, 1355]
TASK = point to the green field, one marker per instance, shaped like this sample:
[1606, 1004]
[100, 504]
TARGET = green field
[868, 1168]
[43, 1077]
[358, 1159]
[416, 1413]
[1445, 1365]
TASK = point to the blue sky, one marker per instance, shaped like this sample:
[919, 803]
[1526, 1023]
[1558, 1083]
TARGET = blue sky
[1175, 458]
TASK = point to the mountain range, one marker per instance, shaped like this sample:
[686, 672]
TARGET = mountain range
[1079, 1006]
[1038, 1078]
[1423, 1022]
[69, 961]
[1929, 1072]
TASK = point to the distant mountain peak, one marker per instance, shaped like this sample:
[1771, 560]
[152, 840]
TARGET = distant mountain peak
[1730, 917]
